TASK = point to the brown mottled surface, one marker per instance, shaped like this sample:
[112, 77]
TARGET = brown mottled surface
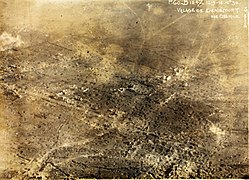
[115, 89]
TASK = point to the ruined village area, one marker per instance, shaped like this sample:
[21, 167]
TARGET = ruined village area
[121, 89]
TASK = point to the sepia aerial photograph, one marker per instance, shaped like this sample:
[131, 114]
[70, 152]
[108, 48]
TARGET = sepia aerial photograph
[123, 89]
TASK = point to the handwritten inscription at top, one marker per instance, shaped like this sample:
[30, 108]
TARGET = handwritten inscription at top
[216, 9]
[222, 2]
[186, 2]
[201, 2]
